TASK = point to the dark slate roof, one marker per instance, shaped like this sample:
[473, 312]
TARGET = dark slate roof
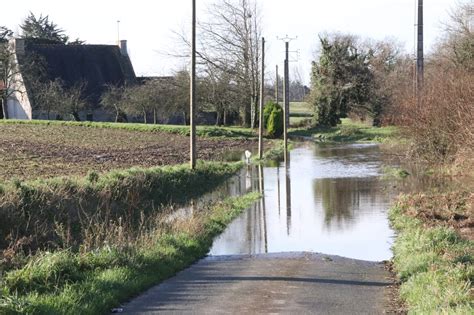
[96, 65]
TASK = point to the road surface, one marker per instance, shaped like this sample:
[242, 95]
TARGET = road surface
[270, 284]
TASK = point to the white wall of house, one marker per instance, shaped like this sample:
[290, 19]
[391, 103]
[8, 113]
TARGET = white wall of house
[18, 104]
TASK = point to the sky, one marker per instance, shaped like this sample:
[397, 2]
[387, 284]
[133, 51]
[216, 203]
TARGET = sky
[148, 25]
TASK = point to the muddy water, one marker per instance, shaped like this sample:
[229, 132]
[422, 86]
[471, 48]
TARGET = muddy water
[329, 199]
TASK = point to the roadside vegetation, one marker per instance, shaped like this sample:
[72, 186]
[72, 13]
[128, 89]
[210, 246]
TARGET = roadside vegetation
[84, 244]
[347, 131]
[433, 255]
[433, 252]
[95, 281]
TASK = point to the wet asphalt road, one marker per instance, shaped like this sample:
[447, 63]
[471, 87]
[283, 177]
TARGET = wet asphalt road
[302, 283]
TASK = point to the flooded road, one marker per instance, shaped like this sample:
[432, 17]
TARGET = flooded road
[330, 199]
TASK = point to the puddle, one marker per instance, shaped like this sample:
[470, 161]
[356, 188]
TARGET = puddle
[328, 200]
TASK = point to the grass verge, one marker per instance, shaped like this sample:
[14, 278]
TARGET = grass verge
[70, 283]
[57, 213]
[433, 262]
[347, 131]
[202, 131]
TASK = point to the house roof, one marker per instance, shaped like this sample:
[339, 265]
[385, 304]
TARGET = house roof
[94, 65]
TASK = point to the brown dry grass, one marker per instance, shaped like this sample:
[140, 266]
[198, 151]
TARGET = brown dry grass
[441, 126]
[453, 209]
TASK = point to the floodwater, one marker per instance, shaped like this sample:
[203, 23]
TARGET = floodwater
[329, 199]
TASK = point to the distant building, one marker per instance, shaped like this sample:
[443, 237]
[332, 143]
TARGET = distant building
[96, 66]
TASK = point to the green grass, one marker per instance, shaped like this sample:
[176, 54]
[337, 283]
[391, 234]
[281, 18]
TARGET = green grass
[347, 131]
[300, 109]
[202, 131]
[390, 172]
[35, 209]
[434, 264]
[70, 283]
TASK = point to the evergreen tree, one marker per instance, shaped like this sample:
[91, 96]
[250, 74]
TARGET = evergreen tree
[341, 80]
[42, 28]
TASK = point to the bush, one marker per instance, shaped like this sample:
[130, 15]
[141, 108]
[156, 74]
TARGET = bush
[274, 120]
[267, 110]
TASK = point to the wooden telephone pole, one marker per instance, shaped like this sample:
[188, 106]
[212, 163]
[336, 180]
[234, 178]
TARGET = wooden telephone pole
[419, 54]
[192, 96]
[262, 97]
[286, 104]
[286, 95]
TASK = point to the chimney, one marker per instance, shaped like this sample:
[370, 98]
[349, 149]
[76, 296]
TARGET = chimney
[17, 45]
[123, 47]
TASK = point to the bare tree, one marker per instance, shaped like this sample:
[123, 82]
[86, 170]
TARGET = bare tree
[112, 100]
[49, 97]
[229, 43]
[54, 97]
[10, 79]
[221, 95]
[74, 102]
[457, 46]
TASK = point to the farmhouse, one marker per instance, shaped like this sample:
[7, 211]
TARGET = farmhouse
[93, 66]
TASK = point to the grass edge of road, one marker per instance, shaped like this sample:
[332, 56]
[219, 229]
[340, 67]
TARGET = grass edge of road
[432, 261]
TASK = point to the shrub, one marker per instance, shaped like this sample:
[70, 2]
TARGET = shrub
[441, 125]
[275, 122]
[267, 110]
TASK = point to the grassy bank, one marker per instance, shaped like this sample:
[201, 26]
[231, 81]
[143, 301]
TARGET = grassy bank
[432, 260]
[92, 283]
[347, 131]
[61, 212]
[202, 131]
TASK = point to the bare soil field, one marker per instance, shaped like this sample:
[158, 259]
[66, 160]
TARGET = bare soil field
[43, 151]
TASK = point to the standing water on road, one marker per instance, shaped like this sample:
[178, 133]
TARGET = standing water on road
[330, 200]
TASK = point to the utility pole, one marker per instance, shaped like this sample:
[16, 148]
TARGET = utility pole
[420, 54]
[192, 96]
[287, 84]
[286, 107]
[262, 96]
[286, 95]
[277, 87]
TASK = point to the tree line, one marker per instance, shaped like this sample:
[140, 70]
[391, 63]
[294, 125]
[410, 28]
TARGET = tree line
[364, 79]
[375, 80]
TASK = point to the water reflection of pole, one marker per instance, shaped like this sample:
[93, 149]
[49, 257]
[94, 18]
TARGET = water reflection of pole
[288, 197]
[262, 205]
[248, 179]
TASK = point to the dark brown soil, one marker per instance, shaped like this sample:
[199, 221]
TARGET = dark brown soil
[41, 151]
[393, 302]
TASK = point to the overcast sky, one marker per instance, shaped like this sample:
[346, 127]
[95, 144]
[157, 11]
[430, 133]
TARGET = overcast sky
[148, 25]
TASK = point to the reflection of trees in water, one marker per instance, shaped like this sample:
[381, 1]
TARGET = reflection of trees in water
[342, 197]
[344, 152]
